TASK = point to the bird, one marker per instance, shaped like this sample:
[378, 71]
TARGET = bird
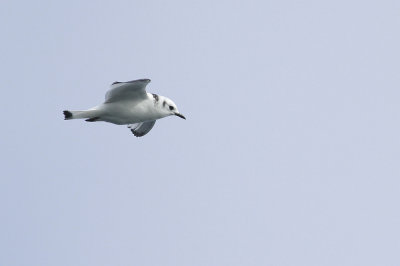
[128, 103]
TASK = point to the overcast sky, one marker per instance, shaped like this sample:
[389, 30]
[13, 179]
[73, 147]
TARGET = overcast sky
[289, 154]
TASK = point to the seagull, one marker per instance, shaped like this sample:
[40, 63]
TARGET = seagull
[128, 103]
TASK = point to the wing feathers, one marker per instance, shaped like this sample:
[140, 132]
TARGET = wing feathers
[130, 90]
[141, 129]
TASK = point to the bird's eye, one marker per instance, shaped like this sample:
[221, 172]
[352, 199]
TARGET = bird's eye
[171, 108]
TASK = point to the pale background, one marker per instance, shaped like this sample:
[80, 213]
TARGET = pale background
[289, 154]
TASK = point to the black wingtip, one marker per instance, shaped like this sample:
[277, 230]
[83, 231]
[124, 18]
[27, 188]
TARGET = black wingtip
[132, 81]
[67, 115]
[137, 134]
[92, 119]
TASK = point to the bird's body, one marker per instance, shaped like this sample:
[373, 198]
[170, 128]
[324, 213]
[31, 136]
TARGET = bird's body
[128, 103]
[125, 112]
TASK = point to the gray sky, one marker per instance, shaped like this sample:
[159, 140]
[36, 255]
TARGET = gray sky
[289, 154]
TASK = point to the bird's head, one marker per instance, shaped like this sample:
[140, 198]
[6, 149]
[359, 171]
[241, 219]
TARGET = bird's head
[168, 107]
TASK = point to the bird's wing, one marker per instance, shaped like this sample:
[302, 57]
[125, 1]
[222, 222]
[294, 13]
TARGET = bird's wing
[130, 90]
[141, 129]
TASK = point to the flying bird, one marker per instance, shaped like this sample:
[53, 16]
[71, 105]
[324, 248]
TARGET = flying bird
[128, 103]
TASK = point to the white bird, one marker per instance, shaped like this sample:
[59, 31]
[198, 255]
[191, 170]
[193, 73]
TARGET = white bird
[128, 103]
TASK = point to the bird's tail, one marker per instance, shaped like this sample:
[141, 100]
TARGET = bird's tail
[80, 114]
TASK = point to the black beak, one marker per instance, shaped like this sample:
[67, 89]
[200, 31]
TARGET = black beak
[180, 115]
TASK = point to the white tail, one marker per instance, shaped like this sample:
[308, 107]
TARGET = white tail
[80, 114]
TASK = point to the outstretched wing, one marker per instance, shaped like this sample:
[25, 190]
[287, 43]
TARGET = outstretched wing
[130, 90]
[141, 129]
